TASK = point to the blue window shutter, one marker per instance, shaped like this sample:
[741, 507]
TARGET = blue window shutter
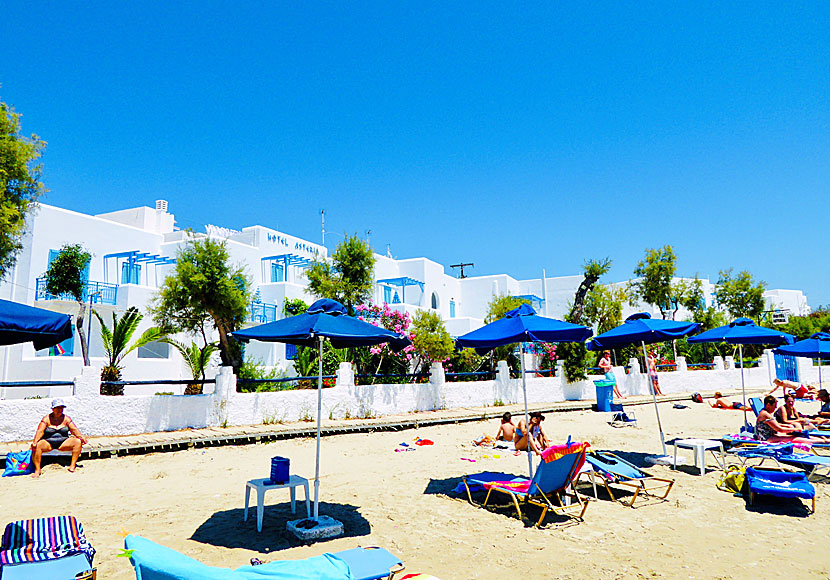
[387, 294]
[452, 308]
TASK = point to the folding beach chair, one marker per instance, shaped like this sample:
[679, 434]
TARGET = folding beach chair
[780, 484]
[155, 562]
[816, 466]
[611, 469]
[46, 548]
[553, 479]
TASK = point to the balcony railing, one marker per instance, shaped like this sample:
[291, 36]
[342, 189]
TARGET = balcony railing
[261, 312]
[101, 293]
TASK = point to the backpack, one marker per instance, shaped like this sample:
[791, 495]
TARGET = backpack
[697, 398]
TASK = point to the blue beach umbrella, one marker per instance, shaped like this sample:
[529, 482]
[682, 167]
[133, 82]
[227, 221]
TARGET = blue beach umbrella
[817, 346]
[743, 331]
[522, 325]
[21, 323]
[643, 329]
[325, 319]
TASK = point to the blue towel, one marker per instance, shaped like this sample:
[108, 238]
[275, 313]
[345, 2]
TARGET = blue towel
[155, 562]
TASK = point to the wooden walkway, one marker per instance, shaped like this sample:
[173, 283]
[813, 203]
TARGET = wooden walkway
[247, 434]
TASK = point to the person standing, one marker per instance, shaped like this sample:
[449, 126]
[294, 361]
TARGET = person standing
[652, 374]
[608, 369]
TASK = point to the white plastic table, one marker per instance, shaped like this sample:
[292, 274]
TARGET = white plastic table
[699, 446]
[262, 485]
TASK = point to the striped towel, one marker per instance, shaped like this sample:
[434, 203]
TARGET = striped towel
[43, 539]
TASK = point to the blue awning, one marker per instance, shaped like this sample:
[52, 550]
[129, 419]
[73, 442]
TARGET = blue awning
[289, 260]
[403, 282]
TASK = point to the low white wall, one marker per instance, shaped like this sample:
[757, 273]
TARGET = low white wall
[140, 413]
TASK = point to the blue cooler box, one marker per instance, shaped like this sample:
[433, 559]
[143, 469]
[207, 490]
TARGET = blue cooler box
[279, 470]
[605, 395]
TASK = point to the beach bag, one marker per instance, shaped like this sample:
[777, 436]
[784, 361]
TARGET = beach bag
[733, 479]
[19, 463]
[697, 398]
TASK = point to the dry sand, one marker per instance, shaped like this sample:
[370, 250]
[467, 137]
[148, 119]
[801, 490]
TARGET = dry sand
[192, 501]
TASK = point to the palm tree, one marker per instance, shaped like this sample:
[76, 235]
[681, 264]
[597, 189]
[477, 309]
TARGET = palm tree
[117, 344]
[196, 359]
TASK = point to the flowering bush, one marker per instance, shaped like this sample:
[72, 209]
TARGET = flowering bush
[381, 358]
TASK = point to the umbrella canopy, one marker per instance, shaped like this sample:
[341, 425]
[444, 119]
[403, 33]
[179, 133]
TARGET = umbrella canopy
[22, 323]
[817, 346]
[324, 319]
[743, 331]
[642, 328]
[522, 324]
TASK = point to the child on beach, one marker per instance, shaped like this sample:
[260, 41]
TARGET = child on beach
[506, 429]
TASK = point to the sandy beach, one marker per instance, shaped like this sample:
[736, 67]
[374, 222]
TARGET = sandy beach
[193, 501]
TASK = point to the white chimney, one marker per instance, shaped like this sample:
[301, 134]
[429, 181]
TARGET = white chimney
[161, 205]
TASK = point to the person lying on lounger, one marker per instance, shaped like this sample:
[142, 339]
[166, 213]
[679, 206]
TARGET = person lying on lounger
[769, 430]
[506, 429]
[538, 440]
[800, 391]
[721, 402]
[788, 414]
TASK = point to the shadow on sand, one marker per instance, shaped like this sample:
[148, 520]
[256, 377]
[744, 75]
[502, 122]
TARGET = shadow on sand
[226, 528]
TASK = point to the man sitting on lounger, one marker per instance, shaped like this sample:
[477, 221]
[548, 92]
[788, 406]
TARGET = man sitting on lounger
[721, 402]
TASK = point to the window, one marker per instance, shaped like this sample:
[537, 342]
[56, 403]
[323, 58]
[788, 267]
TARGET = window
[452, 308]
[387, 294]
[290, 351]
[65, 348]
[130, 274]
[434, 301]
[154, 350]
[277, 273]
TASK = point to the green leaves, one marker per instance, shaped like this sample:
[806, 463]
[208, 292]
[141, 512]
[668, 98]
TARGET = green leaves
[116, 340]
[740, 295]
[348, 278]
[430, 338]
[65, 274]
[655, 274]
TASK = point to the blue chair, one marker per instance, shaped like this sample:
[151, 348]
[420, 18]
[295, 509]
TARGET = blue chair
[553, 478]
[780, 484]
[815, 465]
[611, 469]
[155, 562]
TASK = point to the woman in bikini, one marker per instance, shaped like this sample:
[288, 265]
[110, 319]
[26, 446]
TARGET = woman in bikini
[57, 431]
[652, 373]
[608, 369]
[538, 438]
[788, 414]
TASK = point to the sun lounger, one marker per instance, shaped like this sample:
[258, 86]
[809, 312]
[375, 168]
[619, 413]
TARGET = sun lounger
[780, 484]
[45, 548]
[553, 479]
[155, 562]
[815, 465]
[611, 469]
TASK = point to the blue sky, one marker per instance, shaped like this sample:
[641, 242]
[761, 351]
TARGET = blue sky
[515, 137]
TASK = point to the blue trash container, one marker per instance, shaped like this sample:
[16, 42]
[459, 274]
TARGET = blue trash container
[279, 470]
[605, 395]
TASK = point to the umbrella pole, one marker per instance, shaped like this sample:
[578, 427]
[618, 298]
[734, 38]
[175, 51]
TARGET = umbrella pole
[527, 418]
[319, 414]
[654, 398]
[743, 388]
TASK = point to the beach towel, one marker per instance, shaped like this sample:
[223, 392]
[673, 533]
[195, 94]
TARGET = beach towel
[44, 539]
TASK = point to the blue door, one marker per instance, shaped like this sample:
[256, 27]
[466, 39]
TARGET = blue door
[786, 368]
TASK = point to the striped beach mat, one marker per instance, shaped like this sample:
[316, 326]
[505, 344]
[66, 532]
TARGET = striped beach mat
[43, 539]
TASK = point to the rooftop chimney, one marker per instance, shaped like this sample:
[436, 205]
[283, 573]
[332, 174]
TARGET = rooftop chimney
[161, 205]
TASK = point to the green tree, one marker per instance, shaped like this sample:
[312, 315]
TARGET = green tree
[205, 289]
[293, 306]
[497, 308]
[20, 185]
[592, 271]
[117, 345]
[655, 273]
[65, 276]
[197, 360]
[430, 338]
[740, 295]
[348, 277]
[603, 307]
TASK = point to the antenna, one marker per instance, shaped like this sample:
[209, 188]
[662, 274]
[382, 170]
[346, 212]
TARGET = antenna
[368, 233]
[323, 218]
[461, 266]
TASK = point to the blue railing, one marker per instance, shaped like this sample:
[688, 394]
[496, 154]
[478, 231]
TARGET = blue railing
[100, 292]
[261, 312]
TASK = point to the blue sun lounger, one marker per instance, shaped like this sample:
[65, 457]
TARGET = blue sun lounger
[780, 484]
[815, 465]
[155, 562]
[611, 469]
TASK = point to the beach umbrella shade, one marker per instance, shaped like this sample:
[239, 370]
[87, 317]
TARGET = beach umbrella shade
[817, 346]
[43, 328]
[739, 332]
[522, 325]
[324, 320]
[643, 329]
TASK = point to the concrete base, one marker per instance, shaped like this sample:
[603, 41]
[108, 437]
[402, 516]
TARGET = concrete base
[326, 528]
[664, 460]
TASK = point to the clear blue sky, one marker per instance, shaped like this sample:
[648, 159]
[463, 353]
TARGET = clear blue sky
[518, 138]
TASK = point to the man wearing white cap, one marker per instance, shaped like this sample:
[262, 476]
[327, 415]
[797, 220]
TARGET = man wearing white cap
[57, 431]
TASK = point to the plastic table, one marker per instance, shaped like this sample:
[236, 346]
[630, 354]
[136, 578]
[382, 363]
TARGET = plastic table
[700, 446]
[263, 485]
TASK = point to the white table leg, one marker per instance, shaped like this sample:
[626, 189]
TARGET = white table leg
[674, 463]
[293, 496]
[307, 501]
[700, 454]
[247, 499]
[260, 507]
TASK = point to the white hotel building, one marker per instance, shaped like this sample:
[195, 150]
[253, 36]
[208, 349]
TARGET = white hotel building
[134, 249]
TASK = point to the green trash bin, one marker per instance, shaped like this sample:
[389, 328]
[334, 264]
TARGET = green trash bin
[605, 395]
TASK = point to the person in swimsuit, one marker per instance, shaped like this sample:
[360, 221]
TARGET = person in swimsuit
[652, 373]
[57, 431]
[506, 429]
[788, 414]
[721, 402]
[608, 369]
[538, 438]
[770, 430]
[800, 391]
